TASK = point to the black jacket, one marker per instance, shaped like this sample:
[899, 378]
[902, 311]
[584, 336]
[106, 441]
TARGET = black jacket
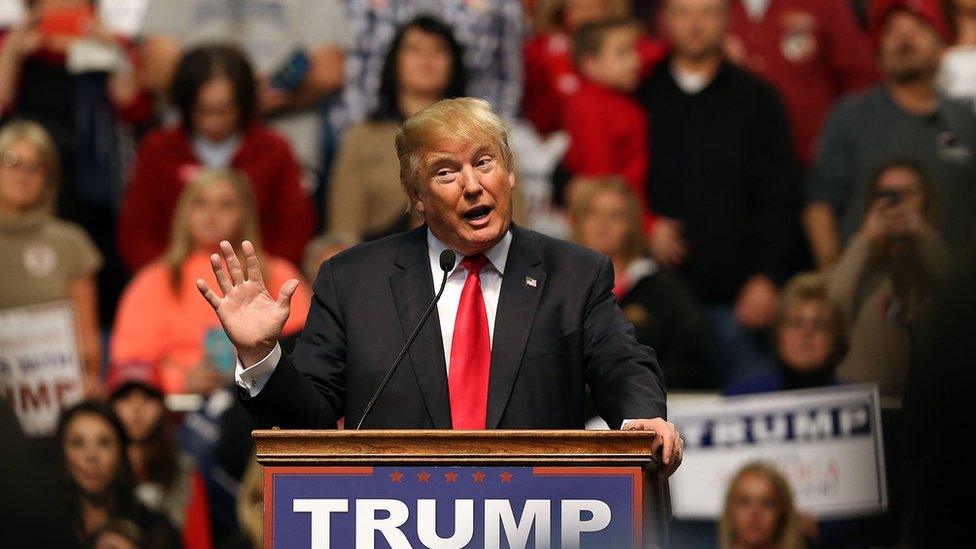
[667, 317]
[551, 339]
[722, 164]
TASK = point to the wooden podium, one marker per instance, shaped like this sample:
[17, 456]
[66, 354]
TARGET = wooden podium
[461, 489]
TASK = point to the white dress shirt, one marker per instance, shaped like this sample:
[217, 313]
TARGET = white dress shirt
[491, 286]
[255, 377]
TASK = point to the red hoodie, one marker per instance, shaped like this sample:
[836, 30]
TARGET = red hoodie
[166, 162]
[608, 135]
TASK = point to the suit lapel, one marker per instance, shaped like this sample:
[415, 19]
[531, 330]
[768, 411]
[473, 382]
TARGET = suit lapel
[413, 288]
[522, 286]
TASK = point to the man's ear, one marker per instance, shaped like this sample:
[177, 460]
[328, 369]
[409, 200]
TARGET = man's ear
[414, 197]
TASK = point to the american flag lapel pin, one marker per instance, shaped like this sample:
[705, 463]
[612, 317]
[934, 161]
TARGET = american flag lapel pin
[529, 281]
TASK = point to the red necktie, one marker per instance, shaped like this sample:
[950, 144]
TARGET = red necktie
[470, 352]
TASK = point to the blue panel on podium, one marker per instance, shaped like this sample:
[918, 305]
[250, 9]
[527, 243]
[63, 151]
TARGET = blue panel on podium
[366, 507]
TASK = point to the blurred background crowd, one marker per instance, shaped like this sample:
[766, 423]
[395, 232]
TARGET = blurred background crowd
[786, 189]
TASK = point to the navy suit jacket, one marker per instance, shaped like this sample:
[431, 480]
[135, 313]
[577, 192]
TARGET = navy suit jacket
[551, 340]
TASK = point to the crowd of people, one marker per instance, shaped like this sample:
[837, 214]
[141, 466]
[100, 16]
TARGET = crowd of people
[784, 188]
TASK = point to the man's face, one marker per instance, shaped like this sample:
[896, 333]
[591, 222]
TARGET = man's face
[696, 28]
[910, 48]
[465, 194]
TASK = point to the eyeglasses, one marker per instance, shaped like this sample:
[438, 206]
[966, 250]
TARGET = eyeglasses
[813, 325]
[10, 159]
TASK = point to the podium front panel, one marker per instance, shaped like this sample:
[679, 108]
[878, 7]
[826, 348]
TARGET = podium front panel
[453, 506]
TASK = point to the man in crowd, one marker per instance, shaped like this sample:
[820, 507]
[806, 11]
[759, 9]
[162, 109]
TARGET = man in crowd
[525, 324]
[904, 116]
[722, 169]
[812, 51]
[296, 47]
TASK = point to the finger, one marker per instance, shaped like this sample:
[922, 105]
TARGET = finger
[668, 447]
[233, 264]
[656, 443]
[287, 290]
[251, 259]
[222, 279]
[208, 294]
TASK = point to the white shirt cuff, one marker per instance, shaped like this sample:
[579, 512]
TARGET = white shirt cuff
[622, 423]
[254, 378]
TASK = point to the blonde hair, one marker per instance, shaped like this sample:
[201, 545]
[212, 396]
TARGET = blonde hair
[181, 242]
[586, 192]
[812, 286]
[315, 248]
[788, 533]
[36, 136]
[452, 119]
[549, 14]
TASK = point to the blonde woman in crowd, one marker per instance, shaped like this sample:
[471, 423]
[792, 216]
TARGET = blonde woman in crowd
[809, 338]
[42, 258]
[759, 512]
[666, 316]
[163, 320]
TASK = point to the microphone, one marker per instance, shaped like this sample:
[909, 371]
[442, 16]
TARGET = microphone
[447, 263]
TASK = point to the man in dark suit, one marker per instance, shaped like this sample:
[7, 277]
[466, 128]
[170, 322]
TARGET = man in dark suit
[525, 324]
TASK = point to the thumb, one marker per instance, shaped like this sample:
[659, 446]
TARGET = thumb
[287, 290]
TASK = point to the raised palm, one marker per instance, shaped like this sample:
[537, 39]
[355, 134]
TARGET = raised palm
[252, 319]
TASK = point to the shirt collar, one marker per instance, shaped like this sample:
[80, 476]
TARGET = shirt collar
[497, 255]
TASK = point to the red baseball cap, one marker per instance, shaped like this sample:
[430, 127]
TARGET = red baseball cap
[929, 11]
[142, 374]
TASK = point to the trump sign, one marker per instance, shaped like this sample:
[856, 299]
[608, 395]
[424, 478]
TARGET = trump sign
[452, 507]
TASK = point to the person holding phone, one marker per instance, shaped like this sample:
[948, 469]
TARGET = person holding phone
[161, 318]
[888, 274]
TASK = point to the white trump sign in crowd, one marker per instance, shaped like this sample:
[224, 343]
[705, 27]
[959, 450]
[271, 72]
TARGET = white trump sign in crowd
[40, 369]
[827, 442]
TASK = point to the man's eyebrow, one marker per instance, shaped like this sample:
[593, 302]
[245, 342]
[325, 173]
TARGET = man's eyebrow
[436, 158]
[485, 149]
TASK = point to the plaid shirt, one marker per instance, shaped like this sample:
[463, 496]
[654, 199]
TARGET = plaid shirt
[491, 32]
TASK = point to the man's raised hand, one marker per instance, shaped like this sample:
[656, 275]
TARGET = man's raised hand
[252, 319]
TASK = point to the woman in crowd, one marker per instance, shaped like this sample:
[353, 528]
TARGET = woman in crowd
[665, 314]
[810, 339]
[424, 65]
[167, 481]
[550, 74]
[886, 278]
[163, 321]
[759, 512]
[99, 479]
[214, 92]
[44, 259]
[63, 67]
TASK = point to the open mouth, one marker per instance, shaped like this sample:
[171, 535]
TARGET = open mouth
[477, 213]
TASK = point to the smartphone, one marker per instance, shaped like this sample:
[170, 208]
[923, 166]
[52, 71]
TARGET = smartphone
[292, 74]
[891, 198]
[66, 21]
[220, 350]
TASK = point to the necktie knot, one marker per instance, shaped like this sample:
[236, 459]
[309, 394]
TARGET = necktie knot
[474, 263]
